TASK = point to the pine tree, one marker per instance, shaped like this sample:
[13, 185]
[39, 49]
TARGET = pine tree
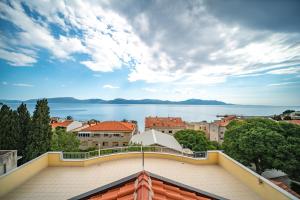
[9, 129]
[24, 122]
[39, 136]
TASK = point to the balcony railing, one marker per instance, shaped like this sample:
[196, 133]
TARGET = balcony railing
[117, 150]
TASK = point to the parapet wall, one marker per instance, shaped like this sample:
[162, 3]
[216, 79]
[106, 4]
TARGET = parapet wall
[266, 189]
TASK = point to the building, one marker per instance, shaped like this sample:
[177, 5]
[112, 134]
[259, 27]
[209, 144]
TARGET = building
[295, 115]
[69, 125]
[294, 121]
[217, 128]
[8, 160]
[199, 126]
[169, 125]
[156, 138]
[53, 176]
[106, 134]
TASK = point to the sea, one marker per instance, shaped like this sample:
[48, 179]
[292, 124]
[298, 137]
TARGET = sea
[138, 112]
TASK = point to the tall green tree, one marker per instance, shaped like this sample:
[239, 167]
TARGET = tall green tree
[265, 144]
[39, 136]
[9, 129]
[194, 140]
[25, 123]
[64, 141]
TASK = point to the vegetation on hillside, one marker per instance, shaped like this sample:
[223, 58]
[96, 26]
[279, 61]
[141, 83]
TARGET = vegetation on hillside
[266, 144]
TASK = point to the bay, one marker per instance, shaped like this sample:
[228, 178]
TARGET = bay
[138, 112]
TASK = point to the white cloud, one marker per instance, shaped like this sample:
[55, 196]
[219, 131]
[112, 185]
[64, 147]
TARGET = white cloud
[107, 86]
[291, 70]
[4, 83]
[281, 84]
[23, 85]
[191, 47]
[17, 59]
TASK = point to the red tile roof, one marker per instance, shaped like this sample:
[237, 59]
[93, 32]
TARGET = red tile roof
[225, 121]
[295, 121]
[61, 124]
[147, 188]
[111, 126]
[159, 122]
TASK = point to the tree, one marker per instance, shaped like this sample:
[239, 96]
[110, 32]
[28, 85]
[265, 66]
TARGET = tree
[194, 140]
[286, 112]
[69, 117]
[64, 141]
[24, 122]
[39, 136]
[9, 129]
[264, 143]
[287, 118]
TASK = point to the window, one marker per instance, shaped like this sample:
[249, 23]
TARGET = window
[116, 135]
[170, 131]
[125, 143]
[115, 144]
[104, 144]
[105, 135]
[163, 131]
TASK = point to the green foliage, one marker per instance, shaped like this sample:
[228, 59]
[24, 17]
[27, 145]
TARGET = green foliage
[286, 112]
[266, 144]
[9, 129]
[64, 141]
[194, 140]
[24, 123]
[69, 117]
[39, 136]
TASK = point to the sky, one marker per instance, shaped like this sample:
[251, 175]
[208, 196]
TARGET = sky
[241, 52]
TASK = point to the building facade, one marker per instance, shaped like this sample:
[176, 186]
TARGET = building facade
[199, 126]
[106, 134]
[169, 125]
[217, 128]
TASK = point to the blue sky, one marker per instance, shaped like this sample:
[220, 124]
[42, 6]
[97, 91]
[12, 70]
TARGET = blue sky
[151, 49]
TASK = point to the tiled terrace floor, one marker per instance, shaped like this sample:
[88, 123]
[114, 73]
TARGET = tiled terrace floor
[66, 182]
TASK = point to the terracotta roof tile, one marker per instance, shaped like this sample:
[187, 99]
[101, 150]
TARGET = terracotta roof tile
[294, 121]
[61, 124]
[286, 188]
[225, 121]
[111, 126]
[145, 188]
[156, 122]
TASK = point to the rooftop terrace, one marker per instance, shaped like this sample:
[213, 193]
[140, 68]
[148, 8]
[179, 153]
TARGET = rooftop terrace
[52, 177]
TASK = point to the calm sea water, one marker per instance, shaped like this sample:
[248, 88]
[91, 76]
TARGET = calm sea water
[139, 112]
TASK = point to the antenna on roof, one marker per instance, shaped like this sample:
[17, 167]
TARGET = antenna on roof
[143, 157]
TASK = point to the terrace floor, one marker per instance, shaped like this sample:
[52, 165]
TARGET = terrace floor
[66, 182]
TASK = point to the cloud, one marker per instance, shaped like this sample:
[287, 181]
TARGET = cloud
[107, 86]
[17, 59]
[281, 84]
[291, 70]
[4, 83]
[188, 43]
[22, 85]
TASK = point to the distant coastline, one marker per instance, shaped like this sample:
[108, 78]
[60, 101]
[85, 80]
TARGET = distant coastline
[122, 101]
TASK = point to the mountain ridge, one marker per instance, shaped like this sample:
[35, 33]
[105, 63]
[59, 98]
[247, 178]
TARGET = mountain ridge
[122, 101]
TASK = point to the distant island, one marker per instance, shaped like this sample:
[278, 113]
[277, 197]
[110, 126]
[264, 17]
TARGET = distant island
[122, 101]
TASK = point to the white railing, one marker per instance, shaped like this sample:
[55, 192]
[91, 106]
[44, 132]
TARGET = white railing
[117, 150]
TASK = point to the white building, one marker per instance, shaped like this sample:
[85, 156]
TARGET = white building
[156, 138]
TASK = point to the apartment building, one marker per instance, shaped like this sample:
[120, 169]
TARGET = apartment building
[217, 128]
[106, 134]
[169, 125]
[199, 126]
